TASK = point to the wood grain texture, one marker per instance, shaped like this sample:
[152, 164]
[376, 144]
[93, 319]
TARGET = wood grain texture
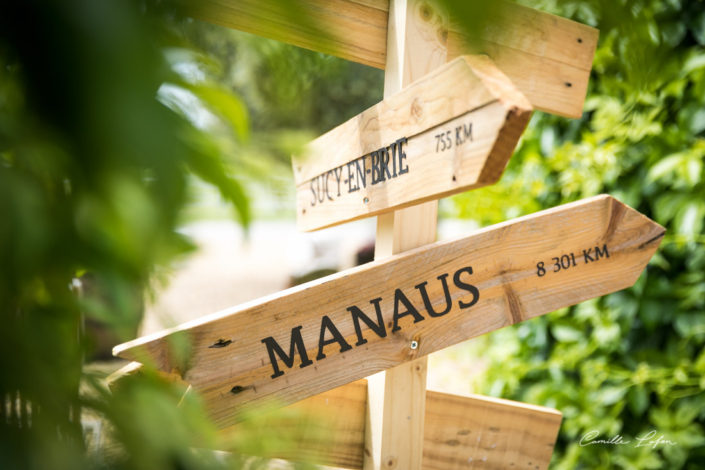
[541, 53]
[547, 57]
[473, 107]
[355, 30]
[503, 259]
[396, 399]
[549, 85]
[326, 429]
[460, 432]
[441, 94]
[479, 432]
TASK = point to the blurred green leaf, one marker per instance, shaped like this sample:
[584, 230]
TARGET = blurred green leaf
[698, 27]
[566, 333]
[638, 400]
[639, 352]
[689, 219]
[227, 105]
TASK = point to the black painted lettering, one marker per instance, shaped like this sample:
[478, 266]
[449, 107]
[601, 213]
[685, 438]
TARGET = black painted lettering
[377, 176]
[587, 256]
[467, 287]
[540, 270]
[601, 253]
[313, 190]
[565, 261]
[361, 175]
[402, 156]
[320, 189]
[351, 175]
[467, 130]
[327, 185]
[393, 149]
[427, 301]
[458, 137]
[338, 174]
[327, 324]
[358, 315]
[297, 344]
[384, 165]
[400, 298]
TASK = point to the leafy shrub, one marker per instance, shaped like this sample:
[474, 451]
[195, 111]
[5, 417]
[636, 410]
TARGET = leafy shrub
[633, 361]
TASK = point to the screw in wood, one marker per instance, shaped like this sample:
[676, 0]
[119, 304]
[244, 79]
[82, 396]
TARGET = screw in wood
[414, 344]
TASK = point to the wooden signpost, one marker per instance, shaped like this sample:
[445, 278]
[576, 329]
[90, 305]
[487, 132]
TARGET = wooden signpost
[344, 327]
[396, 398]
[449, 122]
[460, 431]
[450, 131]
[547, 57]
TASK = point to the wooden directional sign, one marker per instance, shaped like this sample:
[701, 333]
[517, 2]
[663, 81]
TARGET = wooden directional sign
[329, 429]
[547, 57]
[452, 130]
[327, 333]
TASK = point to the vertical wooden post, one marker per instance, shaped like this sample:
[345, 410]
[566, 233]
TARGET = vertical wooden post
[416, 44]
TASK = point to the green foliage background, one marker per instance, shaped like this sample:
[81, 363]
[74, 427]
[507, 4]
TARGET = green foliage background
[110, 113]
[108, 118]
[633, 361]
[114, 115]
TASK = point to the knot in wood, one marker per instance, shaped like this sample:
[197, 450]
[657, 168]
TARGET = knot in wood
[426, 12]
[390, 462]
[417, 109]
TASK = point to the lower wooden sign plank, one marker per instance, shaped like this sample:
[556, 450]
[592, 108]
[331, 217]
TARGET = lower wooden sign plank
[338, 329]
[460, 431]
[325, 429]
[488, 433]
[452, 130]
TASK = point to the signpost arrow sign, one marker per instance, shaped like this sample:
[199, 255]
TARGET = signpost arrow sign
[450, 131]
[327, 333]
[547, 57]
